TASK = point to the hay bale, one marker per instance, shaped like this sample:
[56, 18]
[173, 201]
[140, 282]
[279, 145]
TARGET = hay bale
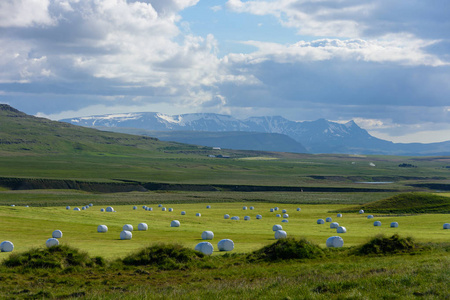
[328, 219]
[244, 208]
[150, 208]
[90, 204]
[335, 242]
[252, 208]
[299, 209]
[280, 234]
[170, 209]
[394, 224]
[57, 234]
[109, 209]
[446, 225]
[370, 217]
[142, 227]
[226, 216]
[159, 205]
[277, 227]
[198, 214]
[285, 216]
[341, 229]
[144, 206]
[235, 218]
[175, 223]
[208, 206]
[67, 207]
[102, 209]
[275, 208]
[285, 221]
[183, 213]
[361, 211]
[377, 223]
[246, 218]
[83, 208]
[135, 207]
[127, 227]
[163, 209]
[6, 246]
[102, 228]
[51, 242]
[205, 248]
[207, 235]
[126, 235]
[271, 210]
[278, 216]
[320, 221]
[334, 225]
[76, 209]
[258, 217]
[225, 245]
[339, 215]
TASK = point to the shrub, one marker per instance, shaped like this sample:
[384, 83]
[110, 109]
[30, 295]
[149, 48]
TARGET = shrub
[60, 257]
[165, 257]
[288, 248]
[382, 245]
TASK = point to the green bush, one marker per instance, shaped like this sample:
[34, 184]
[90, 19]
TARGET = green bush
[287, 249]
[165, 257]
[381, 245]
[61, 257]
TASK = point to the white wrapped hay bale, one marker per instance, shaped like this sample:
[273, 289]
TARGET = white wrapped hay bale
[6, 246]
[446, 225]
[275, 208]
[284, 211]
[83, 208]
[208, 206]
[183, 213]
[127, 227]
[198, 214]
[247, 218]
[320, 221]
[235, 218]
[271, 210]
[335, 242]
[175, 223]
[244, 208]
[142, 227]
[57, 234]
[102, 228]
[163, 209]
[76, 209]
[328, 220]
[51, 242]
[109, 209]
[299, 209]
[67, 207]
[370, 217]
[361, 211]
[252, 208]
[394, 224]
[278, 216]
[226, 216]
[334, 225]
[159, 205]
[207, 235]
[377, 223]
[150, 208]
[258, 217]
[144, 207]
[225, 245]
[135, 207]
[277, 227]
[341, 229]
[285, 221]
[285, 216]
[170, 209]
[102, 209]
[126, 235]
[205, 248]
[339, 215]
[280, 234]
[90, 204]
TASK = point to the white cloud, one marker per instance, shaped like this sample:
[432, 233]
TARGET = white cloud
[25, 13]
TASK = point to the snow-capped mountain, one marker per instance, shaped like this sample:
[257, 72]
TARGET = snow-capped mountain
[320, 136]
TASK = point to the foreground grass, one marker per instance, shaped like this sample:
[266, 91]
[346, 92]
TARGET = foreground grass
[337, 274]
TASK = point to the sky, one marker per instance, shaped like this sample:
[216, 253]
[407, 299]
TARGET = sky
[384, 64]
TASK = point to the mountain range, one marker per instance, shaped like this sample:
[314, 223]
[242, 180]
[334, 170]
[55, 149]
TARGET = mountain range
[268, 133]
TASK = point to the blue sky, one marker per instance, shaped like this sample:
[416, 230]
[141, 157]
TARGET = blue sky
[384, 64]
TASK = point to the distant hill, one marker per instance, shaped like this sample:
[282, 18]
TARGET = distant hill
[238, 140]
[320, 136]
